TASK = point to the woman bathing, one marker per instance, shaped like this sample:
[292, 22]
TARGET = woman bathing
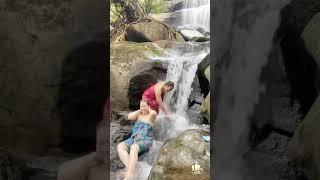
[140, 140]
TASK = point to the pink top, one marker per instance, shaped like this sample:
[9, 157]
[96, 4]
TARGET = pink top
[150, 96]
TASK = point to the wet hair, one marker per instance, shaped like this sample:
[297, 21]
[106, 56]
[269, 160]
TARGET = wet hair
[142, 100]
[169, 83]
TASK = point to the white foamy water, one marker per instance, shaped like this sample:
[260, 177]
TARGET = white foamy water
[195, 14]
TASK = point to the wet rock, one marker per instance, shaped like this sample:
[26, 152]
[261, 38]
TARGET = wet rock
[200, 39]
[203, 80]
[195, 115]
[205, 107]
[196, 96]
[202, 30]
[177, 156]
[304, 147]
[122, 134]
[151, 30]
[189, 34]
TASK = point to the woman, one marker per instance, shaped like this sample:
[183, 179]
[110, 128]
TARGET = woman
[140, 140]
[154, 95]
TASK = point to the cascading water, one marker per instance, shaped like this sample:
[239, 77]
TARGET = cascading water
[182, 69]
[195, 14]
[244, 32]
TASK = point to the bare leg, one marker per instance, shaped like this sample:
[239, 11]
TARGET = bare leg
[134, 150]
[123, 153]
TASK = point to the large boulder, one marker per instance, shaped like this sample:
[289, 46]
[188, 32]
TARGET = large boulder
[131, 72]
[304, 147]
[178, 155]
[189, 34]
[311, 37]
[205, 106]
[203, 80]
[147, 30]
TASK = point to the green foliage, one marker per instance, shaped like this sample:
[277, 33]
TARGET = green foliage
[153, 6]
[115, 12]
[148, 6]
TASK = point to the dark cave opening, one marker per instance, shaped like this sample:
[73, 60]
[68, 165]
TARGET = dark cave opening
[142, 81]
[82, 93]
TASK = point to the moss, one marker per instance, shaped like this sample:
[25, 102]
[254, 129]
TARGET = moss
[126, 51]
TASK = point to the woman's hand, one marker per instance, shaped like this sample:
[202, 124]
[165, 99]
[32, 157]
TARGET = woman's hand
[169, 115]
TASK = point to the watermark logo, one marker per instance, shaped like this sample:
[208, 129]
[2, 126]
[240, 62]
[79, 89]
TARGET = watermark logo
[196, 169]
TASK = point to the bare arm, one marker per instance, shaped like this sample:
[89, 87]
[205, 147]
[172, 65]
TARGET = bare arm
[158, 91]
[133, 115]
[153, 115]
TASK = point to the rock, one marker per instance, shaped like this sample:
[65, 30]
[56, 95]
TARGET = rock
[177, 156]
[311, 37]
[304, 147]
[77, 169]
[151, 30]
[189, 34]
[203, 80]
[205, 107]
[196, 97]
[200, 39]
[195, 115]
[202, 30]
[131, 71]
[207, 73]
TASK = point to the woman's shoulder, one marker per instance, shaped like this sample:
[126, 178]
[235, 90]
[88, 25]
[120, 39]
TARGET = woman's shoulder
[152, 112]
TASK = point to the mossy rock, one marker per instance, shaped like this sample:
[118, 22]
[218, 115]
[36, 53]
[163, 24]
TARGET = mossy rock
[205, 107]
[177, 156]
[147, 30]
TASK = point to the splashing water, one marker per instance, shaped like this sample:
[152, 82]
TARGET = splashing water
[183, 64]
[244, 32]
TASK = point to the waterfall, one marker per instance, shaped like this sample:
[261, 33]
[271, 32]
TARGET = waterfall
[182, 66]
[243, 32]
[195, 14]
